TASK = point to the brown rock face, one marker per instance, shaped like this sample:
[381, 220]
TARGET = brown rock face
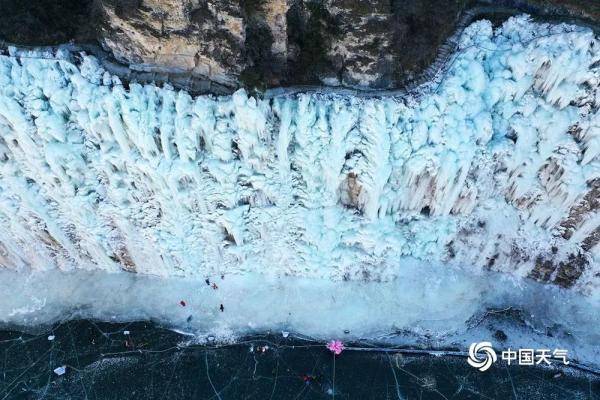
[223, 41]
[170, 35]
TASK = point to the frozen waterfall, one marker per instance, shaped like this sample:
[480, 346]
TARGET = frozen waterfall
[497, 166]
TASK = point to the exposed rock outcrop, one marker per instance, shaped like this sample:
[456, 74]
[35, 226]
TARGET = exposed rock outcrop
[206, 40]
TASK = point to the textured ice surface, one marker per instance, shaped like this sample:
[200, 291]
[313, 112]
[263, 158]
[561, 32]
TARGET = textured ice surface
[497, 167]
[490, 169]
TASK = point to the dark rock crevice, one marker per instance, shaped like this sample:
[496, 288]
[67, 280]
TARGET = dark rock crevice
[48, 22]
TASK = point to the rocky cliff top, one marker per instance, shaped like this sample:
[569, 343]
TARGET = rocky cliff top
[375, 44]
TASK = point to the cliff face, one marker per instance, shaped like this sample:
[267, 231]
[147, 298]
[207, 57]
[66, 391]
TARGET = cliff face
[370, 44]
[206, 40]
[266, 43]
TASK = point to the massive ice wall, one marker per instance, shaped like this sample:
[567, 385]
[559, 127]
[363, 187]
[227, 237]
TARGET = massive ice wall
[497, 167]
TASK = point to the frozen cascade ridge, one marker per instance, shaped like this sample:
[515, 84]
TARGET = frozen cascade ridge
[495, 167]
